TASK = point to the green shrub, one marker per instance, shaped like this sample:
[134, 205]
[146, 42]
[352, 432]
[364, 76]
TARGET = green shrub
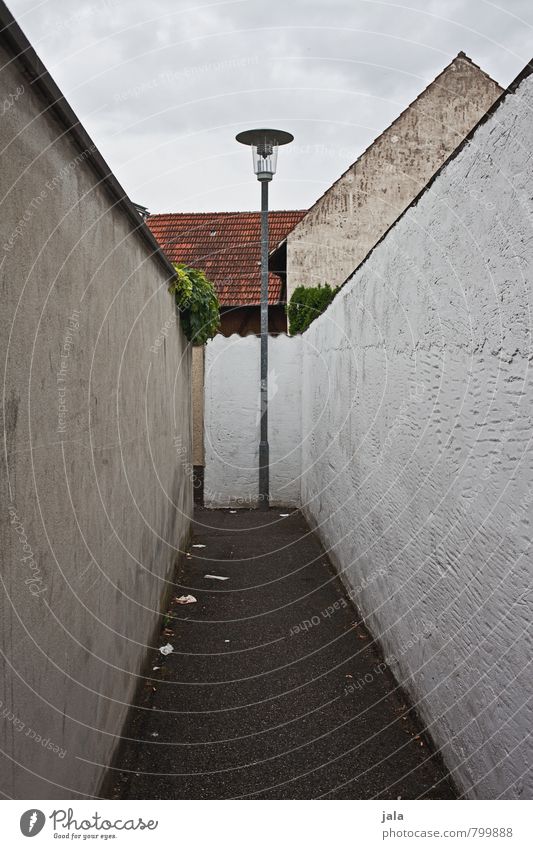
[306, 304]
[197, 303]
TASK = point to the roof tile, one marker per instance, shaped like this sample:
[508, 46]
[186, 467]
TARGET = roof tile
[226, 245]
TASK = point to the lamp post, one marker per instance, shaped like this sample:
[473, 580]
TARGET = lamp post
[264, 144]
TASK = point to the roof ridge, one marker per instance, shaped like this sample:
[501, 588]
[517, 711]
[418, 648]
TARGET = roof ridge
[463, 55]
[241, 212]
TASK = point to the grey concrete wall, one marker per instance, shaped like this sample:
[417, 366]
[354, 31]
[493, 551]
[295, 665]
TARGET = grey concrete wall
[96, 499]
[417, 467]
[347, 221]
[232, 420]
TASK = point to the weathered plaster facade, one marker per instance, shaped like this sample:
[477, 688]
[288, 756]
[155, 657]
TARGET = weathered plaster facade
[347, 221]
[96, 501]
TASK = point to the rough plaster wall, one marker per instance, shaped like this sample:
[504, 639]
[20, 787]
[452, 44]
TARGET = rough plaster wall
[337, 233]
[417, 466]
[232, 420]
[104, 506]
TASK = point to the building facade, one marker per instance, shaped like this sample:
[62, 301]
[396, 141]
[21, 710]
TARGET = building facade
[345, 223]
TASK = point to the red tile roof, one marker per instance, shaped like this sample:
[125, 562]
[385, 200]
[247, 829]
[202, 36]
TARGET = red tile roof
[226, 245]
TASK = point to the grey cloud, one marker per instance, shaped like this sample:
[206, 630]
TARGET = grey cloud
[163, 87]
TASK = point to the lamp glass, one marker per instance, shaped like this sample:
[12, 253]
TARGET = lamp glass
[265, 158]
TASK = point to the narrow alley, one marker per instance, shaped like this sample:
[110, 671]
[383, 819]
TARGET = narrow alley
[273, 689]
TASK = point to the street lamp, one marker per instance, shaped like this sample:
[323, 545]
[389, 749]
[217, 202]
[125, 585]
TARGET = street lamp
[264, 144]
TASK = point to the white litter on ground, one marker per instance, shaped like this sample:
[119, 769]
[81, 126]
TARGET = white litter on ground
[168, 649]
[185, 599]
[198, 545]
[283, 515]
[218, 577]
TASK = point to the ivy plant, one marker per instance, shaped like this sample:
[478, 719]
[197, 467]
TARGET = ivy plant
[196, 302]
[306, 304]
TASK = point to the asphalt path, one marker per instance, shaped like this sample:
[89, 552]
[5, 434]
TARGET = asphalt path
[274, 688]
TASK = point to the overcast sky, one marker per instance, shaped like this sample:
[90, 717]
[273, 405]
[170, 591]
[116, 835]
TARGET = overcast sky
[163, 86]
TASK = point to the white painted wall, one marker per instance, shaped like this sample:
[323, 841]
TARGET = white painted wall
[417, 464]
[414, 444]
[232, 420]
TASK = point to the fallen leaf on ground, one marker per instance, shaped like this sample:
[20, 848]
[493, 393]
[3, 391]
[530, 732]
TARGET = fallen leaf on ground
[185, 599]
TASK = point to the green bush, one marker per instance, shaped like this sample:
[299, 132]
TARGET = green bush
[306, 304]
[197, 303]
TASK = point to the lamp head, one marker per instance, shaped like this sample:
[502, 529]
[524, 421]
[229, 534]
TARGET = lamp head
[264, 144]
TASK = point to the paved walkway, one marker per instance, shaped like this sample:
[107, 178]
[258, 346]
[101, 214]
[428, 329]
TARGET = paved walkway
[251, 703]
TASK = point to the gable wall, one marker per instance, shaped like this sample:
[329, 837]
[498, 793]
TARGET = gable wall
[338, 232]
